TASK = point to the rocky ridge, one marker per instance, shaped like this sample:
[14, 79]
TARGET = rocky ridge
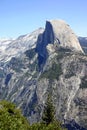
[58, 34]
[54, 62]
[16, 47]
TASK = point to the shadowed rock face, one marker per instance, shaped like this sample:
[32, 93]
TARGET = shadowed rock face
[72, 125]
[43, 40]
[59, 33]
[83, 42]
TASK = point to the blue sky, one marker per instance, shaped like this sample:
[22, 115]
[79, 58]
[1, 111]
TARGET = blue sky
[18, 17]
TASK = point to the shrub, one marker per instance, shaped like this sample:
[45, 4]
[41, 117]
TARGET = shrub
[11, 117]
[51, 126]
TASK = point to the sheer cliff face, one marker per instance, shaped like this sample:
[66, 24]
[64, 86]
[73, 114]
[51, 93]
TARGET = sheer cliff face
[52, 63]
[58, 33]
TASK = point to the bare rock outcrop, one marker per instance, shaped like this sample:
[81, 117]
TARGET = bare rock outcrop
[58, 33]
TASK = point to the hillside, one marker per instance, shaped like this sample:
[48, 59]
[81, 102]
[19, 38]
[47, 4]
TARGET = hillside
[47, 60]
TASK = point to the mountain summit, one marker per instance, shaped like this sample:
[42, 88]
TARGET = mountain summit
[59, 32]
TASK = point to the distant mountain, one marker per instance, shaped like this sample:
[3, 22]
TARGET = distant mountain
[47, 60]
[83, 42]
[3, 44]
[12, 48]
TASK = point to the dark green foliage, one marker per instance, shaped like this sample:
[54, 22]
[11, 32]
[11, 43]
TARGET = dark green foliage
[49, 111]
[30, 53]
[53, 73]
[83, 82]
[51, 126]
[48, 118]
[11, 118]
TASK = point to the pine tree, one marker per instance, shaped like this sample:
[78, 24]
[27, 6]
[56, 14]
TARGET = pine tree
[49, 111]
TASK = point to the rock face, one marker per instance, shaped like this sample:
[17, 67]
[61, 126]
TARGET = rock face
[83, 42]
[16, 47]
[51, 62]
[64, 35]
[59, 33]
[69, 72]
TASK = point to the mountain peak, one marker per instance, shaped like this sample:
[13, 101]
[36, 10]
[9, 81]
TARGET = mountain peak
[58, 34]
[63, 34]
[56, 21]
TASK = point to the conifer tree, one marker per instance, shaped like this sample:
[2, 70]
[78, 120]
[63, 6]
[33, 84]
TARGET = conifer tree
[49, 111]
